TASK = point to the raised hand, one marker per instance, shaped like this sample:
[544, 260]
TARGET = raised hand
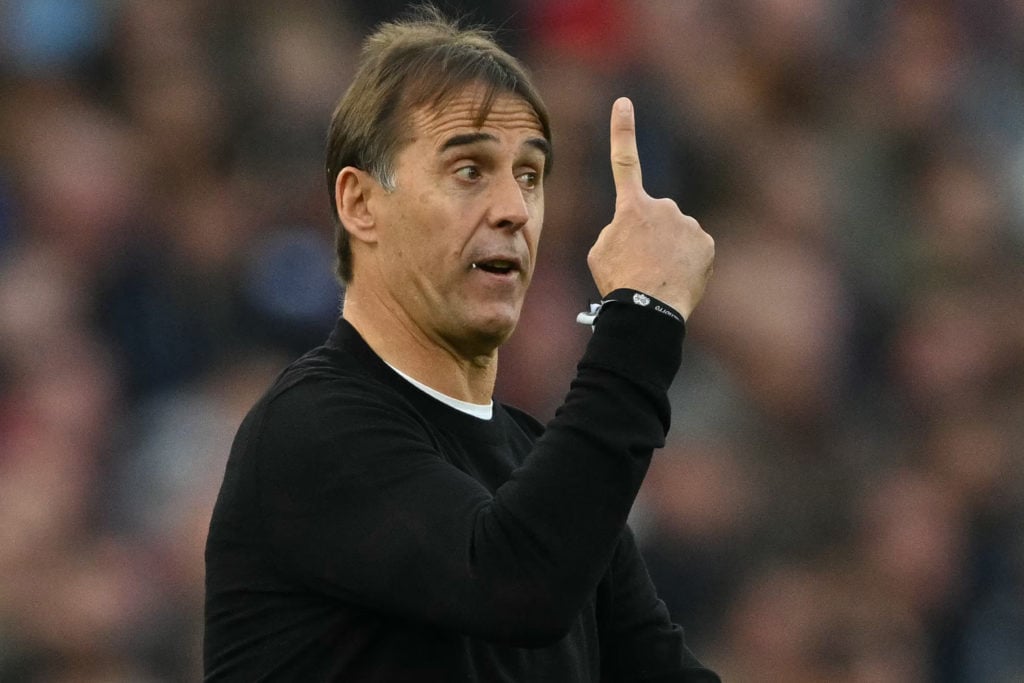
[650, 245]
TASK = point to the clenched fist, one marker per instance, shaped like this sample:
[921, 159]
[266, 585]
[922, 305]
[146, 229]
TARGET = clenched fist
[650, 245]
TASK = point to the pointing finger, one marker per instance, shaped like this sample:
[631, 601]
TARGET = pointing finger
[625, 158]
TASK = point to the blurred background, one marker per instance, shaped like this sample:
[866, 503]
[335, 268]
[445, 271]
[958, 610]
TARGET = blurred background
[842, 495]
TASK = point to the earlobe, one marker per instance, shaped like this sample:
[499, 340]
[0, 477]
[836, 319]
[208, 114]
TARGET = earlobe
[353, 191]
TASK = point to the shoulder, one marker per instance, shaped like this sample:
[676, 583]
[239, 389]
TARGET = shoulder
[327, 393]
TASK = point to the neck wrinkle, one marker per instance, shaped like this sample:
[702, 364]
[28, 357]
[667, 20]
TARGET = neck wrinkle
[402, 345]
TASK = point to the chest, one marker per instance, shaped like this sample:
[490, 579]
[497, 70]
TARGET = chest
[490, 461]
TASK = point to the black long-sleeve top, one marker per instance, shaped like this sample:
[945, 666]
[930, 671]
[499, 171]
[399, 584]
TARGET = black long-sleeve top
[365, 531]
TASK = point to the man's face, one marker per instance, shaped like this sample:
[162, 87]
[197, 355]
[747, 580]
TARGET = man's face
[458, 235]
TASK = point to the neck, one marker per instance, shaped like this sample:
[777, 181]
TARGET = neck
[426, 358]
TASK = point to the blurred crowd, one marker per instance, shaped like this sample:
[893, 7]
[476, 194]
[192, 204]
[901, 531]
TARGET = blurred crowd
[842, 495]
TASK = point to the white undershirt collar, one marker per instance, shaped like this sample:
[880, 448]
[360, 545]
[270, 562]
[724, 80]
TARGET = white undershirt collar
[477, 410]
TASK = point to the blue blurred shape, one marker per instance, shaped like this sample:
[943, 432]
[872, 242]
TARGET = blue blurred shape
[50, 34]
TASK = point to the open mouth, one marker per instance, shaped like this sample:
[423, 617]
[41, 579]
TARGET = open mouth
[496, 266]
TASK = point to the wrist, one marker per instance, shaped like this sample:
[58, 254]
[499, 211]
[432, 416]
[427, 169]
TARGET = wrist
[629, 297]
[635, 297]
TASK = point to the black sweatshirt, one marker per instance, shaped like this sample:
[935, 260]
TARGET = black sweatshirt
[368, 532]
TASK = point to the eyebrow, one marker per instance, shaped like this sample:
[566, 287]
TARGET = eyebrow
[473, 138]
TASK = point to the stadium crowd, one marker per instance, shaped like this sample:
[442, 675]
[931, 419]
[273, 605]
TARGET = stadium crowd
[842, 495]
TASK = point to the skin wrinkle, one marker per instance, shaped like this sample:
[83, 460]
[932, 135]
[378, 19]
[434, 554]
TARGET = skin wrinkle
[540, 143]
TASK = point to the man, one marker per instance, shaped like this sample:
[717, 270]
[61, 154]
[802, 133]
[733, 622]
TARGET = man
[381, 519]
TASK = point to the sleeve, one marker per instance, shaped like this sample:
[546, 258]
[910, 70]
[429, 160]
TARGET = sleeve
[640, 644]
[357, 502]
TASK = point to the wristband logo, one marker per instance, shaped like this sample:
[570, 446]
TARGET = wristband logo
[641, 299]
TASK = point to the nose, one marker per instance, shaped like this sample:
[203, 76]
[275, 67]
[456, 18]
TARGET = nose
[508, 210]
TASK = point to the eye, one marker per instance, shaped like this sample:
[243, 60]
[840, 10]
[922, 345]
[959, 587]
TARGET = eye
[468, 173]
[529, 179]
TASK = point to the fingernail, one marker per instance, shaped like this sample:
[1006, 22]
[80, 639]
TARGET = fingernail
[624, 106]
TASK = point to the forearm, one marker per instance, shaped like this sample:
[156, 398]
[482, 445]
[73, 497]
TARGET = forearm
[561, 513]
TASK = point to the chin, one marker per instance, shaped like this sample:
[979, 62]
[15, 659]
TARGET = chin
[498, 334]
[489, 334]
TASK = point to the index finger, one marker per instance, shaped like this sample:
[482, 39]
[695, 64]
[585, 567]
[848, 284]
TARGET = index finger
[624, 154]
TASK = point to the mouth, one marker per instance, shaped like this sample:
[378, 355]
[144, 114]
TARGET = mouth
[497, 266]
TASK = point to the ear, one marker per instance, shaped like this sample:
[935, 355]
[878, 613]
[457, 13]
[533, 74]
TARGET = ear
[353, 191]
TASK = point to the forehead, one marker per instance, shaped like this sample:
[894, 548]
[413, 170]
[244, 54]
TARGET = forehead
[510, 115]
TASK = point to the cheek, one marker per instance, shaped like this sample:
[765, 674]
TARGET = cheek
[537, 213]
[536, 226]
[419, 227]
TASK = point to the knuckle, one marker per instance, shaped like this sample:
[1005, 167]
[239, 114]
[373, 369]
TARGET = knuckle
[709, 242]
[625, 159]
[695, 227]
[668, 204]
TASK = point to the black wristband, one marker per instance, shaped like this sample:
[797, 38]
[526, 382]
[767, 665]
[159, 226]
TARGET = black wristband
[631, 297]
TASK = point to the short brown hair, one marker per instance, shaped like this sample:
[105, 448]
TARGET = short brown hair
[423, 60]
